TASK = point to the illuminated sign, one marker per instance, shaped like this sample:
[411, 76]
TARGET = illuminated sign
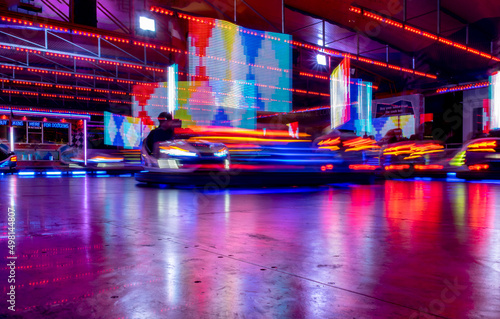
[4, 122]
[398, 108]
[17, 123]
[35, 125]
[56, 125]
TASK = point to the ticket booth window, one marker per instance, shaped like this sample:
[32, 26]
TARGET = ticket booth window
[56, 133]
[34, 132]
[4, 131]
[19, 132]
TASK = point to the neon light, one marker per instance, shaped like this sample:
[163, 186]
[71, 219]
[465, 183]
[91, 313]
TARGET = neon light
[53, 173]
[464, 87]
[85, 142]
[11, 139]
[172, 88]
[331, 148]
[176, 151]
[79, 172]
[26, 173]
[396, 167]
[339, 94]
[330, 141]
[426, 167]
[495, 101]
[418, 32]
[363, 167]
[483, 144]
[478, 167]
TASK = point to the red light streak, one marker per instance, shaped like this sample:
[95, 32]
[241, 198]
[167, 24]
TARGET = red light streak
[396, 167]
[363, 167]
[426, 167]
[478, 167]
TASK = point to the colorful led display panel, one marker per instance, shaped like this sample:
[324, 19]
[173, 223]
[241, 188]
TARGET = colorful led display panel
[124, 131]
[340, 94]
[494, 114]
[232, 73]
[382, 125]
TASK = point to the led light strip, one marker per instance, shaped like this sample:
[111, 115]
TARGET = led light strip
[79, 58]
[327, 78]
[464, 87]
[154, 46]
[295, 43]
[62, 96]
[30, 109]
[421, 33]
[101, 78]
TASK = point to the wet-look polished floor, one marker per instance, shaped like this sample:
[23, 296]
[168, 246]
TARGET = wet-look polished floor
[93, 247]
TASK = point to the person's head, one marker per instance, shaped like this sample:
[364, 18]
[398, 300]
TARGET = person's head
[165, 120]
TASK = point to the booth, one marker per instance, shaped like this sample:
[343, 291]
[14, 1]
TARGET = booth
[40, 136]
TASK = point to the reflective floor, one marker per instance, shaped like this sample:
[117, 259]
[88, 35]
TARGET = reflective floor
[93, 247]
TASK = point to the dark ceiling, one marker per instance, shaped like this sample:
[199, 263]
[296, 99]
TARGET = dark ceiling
[304, 20]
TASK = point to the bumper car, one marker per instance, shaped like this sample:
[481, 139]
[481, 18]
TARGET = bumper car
[8, 160]
[357, 154]
[414, 158]
[479, 159]
[183, 162]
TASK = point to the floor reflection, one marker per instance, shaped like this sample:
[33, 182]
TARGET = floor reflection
[105, 246]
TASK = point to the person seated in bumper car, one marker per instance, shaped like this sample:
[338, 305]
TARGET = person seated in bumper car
[164, 131]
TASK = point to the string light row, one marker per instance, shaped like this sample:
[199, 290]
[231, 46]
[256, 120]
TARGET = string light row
[61, 96]
[421, 33]
[30, 109]
[107, 79]
[464, 87]
[295, 43]
[324, 77]
[194, 77]
[154, 46]
[79, 58]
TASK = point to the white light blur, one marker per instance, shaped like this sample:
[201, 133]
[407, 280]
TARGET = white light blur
[85, 142]
[172, 88]
[12, 139]
[147, 24]
[321, 59]
[495, 101]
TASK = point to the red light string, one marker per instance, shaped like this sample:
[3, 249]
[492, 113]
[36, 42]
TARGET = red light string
[422, 33]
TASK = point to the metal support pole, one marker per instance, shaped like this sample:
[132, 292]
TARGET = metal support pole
[413, 63]
[324, 34]
[85, 142]
[467, 34]
[99, 46]
[282, 16]
[438, 17]
[404, 11]
[46, 41]
[234, 11]
[386, 53]
[357, 44]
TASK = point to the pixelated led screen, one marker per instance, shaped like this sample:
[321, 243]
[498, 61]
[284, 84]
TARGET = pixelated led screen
[233, 72]
[124, 131]
[382, 125]
[494, 114]
[339, 94]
